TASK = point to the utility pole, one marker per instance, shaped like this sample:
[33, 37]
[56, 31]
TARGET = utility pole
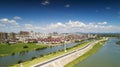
[65, 46]
[64, 43]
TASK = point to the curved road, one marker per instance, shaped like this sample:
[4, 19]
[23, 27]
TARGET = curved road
[56, 58]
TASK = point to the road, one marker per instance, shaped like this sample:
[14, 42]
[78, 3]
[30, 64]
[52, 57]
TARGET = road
[68, 54]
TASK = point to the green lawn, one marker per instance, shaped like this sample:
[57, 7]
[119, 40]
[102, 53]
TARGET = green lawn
[6, 49]
[84, 56]
[49, 56]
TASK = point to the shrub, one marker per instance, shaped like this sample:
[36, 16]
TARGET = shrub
[77, 41]
[25, 46]
[33, 58]
[41, 55]
[37, 49]
[20, 61]
[13, 53]
[22, 52]
[40, 48]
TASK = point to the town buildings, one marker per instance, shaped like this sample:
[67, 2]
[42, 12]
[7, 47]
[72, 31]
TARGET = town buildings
[3, 36]
[46, 38]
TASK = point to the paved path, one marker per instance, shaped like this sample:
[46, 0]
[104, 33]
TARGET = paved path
[62, 60]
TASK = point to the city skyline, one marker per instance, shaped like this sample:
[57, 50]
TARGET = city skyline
[97, 16]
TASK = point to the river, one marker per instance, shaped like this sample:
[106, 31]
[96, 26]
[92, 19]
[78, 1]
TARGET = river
[13, 59]
[107, 56]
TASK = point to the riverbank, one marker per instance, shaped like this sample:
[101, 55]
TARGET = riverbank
[84, 56]
[49, 56]
[6, 49]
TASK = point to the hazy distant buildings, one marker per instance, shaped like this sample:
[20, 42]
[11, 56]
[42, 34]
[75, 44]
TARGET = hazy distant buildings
[23, 33]
[3, 36]
[7, 36]
[12, 36]
[50, 38]
[22, 36]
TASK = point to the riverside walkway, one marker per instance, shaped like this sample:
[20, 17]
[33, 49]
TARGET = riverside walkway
[62, 60]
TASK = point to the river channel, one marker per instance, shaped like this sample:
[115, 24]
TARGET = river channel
[107, 56]
[13, 59]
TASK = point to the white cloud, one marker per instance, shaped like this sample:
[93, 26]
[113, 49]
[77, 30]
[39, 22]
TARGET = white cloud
[39, 28]
[6, 21]
[2, 25]
[74, 26]
[17, 18]
[29, 26]
[9, 25]
[70, 26]
[13, 22]
[45, 2]
[67, 5]
[92, 25]
[102, 23]
[57, 25]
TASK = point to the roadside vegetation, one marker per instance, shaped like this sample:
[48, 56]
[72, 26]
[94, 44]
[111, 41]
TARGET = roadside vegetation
[12, 49]
[118, 42]
[117, 35]
[42, 58]
[84, 56]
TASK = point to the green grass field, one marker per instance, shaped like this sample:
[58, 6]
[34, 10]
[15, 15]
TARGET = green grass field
[84, 56]
[6, 49]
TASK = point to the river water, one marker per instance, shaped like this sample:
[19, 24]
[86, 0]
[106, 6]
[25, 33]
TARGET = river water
[13, 59]
[107, 56]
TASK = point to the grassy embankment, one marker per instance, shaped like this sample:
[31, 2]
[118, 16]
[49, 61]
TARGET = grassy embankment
[84, 56]
[6, 49]
[49, 56]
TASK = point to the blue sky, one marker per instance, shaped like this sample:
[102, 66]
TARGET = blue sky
[60, 15]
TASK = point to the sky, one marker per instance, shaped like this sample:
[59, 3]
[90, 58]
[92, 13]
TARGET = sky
[95, 16]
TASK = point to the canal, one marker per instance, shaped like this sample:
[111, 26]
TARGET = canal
[107, 56]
